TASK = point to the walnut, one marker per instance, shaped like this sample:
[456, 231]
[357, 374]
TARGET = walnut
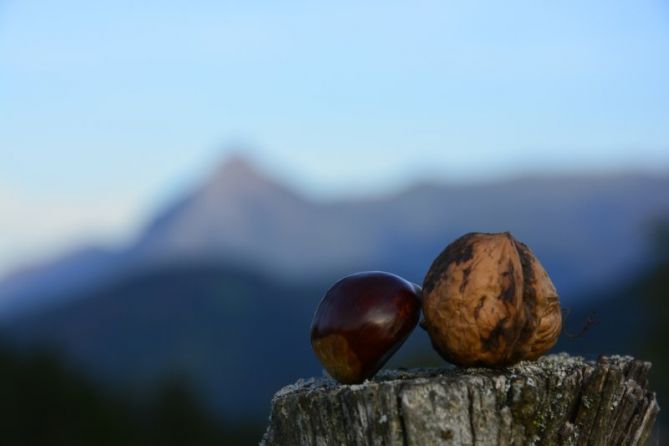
[488, 301]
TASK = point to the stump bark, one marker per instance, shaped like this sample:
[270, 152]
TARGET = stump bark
[557, 400]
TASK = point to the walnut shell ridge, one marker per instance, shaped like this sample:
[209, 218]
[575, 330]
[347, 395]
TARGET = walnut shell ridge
[488, 301]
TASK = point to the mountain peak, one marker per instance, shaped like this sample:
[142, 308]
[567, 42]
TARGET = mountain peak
[237, 173]
[236, 163]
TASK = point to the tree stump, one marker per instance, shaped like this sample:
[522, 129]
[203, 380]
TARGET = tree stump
[556, 400]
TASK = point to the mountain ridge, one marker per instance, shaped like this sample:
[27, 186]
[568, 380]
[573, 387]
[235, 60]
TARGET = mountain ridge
[240, 214]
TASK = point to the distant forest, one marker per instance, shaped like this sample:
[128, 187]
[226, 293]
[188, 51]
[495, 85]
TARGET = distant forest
[42, 402]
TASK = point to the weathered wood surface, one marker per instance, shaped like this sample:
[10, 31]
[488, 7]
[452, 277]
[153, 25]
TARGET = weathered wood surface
[557, 400]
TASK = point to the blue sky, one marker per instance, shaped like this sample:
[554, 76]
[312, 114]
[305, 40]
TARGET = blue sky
[107, 109]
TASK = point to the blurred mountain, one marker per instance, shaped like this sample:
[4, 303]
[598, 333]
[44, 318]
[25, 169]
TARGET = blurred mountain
[585, 229]
[242, 215]
[52, 280]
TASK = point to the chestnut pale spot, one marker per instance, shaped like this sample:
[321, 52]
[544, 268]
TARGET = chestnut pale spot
[338, 358]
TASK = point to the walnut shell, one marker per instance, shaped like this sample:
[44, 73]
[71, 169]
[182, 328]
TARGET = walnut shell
[488, 301]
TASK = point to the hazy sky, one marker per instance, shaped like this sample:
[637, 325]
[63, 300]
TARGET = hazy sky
[107, 108]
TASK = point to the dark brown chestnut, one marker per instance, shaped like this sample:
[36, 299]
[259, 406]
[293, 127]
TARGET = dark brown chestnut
[362, 320]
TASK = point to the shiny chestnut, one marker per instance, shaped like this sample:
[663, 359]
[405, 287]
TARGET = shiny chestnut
[361, 321]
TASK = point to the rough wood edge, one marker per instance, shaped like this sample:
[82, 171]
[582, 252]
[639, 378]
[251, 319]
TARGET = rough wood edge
[557, 400]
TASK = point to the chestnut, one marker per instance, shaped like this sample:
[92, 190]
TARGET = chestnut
[361, 321]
